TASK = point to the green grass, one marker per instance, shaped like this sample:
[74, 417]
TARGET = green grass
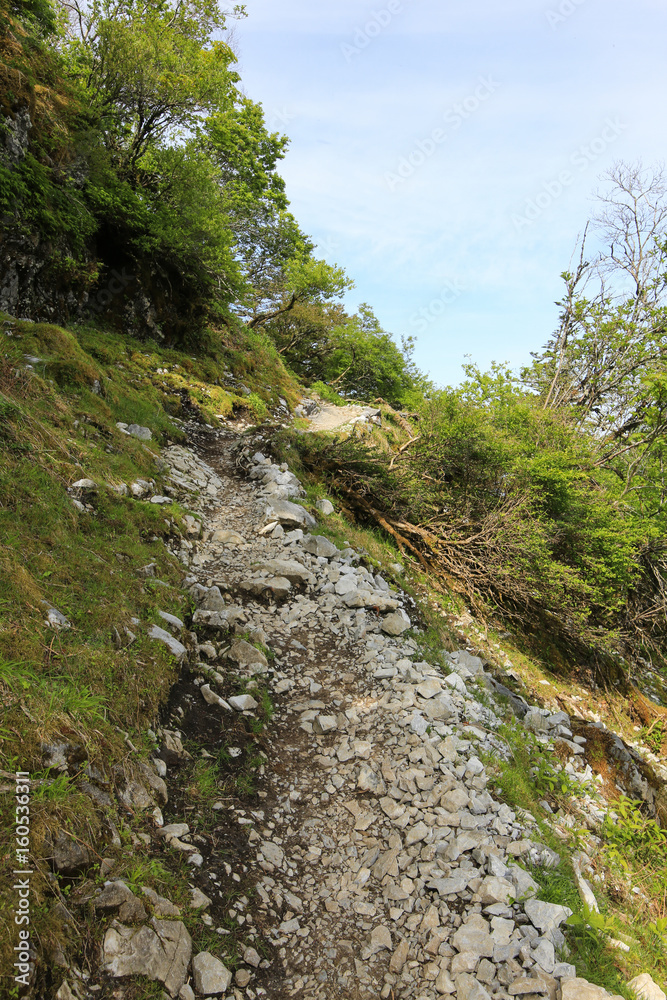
[58, 425]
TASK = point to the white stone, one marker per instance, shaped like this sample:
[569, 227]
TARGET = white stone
[325, 724]
[546, 916]
[430, 688]
[645, 988]
[243, 703]
[396, 624]
[273, 853]
[210, 975]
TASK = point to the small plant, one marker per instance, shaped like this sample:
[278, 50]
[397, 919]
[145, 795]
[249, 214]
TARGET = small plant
[632, 832]
[654, 736]
[592, 923]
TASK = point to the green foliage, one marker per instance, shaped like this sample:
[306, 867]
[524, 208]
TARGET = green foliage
[328, 394]
[517, 509]
[632, 832]
[352, 355]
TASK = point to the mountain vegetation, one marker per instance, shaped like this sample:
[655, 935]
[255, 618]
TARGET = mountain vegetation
[141, 185]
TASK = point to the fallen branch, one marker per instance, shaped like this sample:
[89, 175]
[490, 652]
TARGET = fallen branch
[403, 448]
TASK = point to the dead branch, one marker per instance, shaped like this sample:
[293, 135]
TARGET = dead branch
[404, 448]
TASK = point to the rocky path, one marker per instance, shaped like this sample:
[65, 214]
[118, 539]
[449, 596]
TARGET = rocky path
[381, 863]
[327, 417]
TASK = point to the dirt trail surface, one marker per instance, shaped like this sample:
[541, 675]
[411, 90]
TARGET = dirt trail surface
[371, 857]
[330, 417]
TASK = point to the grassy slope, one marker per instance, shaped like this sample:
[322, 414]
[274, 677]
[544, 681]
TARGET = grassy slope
[57, 425]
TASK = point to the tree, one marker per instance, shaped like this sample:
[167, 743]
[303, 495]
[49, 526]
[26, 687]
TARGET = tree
[607, 362]
[149, 69]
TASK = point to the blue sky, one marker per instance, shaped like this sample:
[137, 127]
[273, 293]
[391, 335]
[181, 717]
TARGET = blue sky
[446, 153]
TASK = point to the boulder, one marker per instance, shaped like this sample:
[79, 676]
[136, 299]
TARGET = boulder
[325, 507]
[645, 988]
[245, 654]
[160, 952]
[137, 431]
[289, 514]
[318, 545]
[396, 624]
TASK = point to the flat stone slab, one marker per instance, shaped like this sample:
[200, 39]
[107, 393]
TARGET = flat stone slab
[175, 647]
[290, 514]
[160, 952]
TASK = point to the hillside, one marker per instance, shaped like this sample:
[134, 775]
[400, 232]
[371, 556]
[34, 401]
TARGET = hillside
[217, 690]
[317, 679]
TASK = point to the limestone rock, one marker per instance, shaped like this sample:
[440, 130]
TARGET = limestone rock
[272, 853]
[495, 890]
[318, 545]
[228, 537]
[251, 957]
[290, 514]
[211, 698]
[213, 601]
[546, 916]
[467, 988]
[646, 988]
[581, 989]
[474, 936]
[68, 856]
[396, 624]
[325, 724]
[199, 900]
[400, 957]
[292, 570]
[243, 703]
[210, 975]
[137, 431]
[162, 908]
[160, 951]
[246, 655]
[325, 507]
[118, 896]
[175, 647]
[380, 940]
[429, 688]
